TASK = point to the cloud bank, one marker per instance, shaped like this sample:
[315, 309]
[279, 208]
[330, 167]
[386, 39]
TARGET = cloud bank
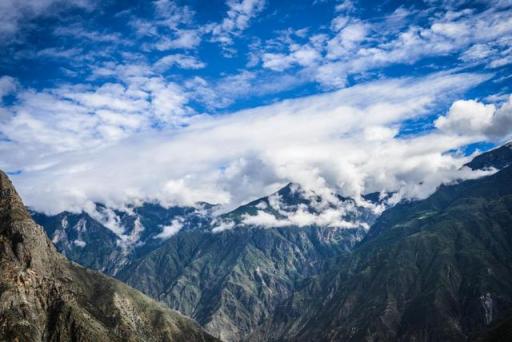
[346, 141]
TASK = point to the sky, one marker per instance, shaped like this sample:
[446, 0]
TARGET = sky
[224, 101]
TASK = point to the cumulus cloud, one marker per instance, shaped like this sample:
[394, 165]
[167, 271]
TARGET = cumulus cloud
[473, 118]
[70, 118]
[323, 142]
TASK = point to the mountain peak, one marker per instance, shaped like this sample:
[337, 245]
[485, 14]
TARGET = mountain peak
[497, 158]
[11, 206]
[24, 243]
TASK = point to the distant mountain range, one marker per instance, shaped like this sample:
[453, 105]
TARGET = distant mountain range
[301, 266]
[108, 239]
[195, 261]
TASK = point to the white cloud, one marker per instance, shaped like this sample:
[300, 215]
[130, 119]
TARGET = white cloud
[346, 40]
[226, 90]
[356, 46]
[71, 118]
[302, 218]
[345, 5]
[7, 86]
[305, 56]
[183, 39]
[80, 243]
[466, 118]
[473, 118]
[222, 226]
[321, 142]
[323, 209]
[173, 27]
[170, 230]
[182, 61]
[78, 31]
[239, 13]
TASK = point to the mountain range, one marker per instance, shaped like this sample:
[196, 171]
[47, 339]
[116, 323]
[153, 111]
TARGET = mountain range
[227, 271]
[301, 266]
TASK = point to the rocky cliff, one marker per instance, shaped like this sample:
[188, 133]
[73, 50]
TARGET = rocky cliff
[44, 297]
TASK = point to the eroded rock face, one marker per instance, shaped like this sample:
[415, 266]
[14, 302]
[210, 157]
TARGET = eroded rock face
[44, 297]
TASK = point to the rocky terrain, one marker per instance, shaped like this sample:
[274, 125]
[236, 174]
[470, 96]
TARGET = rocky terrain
[107, 239]
[44, 297]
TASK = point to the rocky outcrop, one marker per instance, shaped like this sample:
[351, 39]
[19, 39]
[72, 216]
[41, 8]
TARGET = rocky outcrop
[44, 297]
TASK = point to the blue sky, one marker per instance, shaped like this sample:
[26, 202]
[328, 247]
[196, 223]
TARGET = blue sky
[91, 90]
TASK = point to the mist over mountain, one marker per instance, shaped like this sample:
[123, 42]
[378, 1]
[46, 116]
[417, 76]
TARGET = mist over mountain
[436, 269]
[244, 273]
[226, 270]
[255, 170]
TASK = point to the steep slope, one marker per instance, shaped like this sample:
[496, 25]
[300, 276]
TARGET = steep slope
[82, 239]
[44, 297]
[501, 331]
[231, 282]
[433, 270]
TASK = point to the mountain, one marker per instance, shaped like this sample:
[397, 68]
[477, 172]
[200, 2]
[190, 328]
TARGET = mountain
[232, 280]
[44, 297]
[298, 265]
[439, 269]
[497, 158]
[229, 271]
[107, 239]
[293, 206]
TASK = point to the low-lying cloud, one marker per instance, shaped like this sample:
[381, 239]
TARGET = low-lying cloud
[346, 141]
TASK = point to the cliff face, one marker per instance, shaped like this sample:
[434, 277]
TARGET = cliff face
[44, 297]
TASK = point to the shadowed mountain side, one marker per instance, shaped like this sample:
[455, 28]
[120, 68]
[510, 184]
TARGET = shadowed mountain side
[439, 269]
